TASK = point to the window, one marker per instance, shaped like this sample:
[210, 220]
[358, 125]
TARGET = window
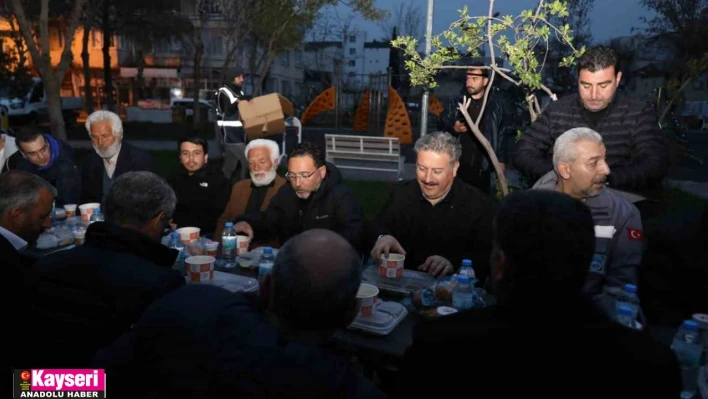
[352, 51]
[352, 38]
[285, 58]
[216, 46]
[351, 63]
[298, 58]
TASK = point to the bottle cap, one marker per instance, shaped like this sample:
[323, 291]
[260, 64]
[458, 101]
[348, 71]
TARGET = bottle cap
[625, 310]
[631, 288]
[690, 325]
[229, 224]
[267, 250]
[466, 262]
[463, 278]
[174, 234]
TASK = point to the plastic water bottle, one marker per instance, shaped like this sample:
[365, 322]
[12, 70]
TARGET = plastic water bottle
[624, 316]
[463, 293]
[265, 264]
[176, 243]
[629, 297]
[467, 270]
[228, 246]
[96, 216]
[687, 347]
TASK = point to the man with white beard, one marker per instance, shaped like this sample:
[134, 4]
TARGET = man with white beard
[111, 158]
[251, 196]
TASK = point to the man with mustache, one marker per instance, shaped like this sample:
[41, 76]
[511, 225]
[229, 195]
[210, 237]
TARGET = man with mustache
[475, 165]
[435, 220]
[202, 190]
[252, 196]
[111, 158]
[636, 146]
[581, 171]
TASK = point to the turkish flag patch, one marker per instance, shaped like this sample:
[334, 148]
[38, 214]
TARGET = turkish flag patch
[635, 234]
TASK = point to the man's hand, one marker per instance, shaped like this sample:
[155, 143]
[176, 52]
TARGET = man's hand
[384, 246]
[460, 127]
[245, 228]
[437, 266]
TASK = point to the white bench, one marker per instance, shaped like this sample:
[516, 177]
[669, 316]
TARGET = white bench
[365, 148]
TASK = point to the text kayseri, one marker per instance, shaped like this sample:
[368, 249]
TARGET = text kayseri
[59, 381]
[43, 394]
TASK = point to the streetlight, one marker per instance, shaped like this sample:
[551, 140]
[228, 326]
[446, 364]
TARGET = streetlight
[426, 91]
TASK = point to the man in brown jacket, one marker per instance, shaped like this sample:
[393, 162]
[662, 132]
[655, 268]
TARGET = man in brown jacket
[251, 196]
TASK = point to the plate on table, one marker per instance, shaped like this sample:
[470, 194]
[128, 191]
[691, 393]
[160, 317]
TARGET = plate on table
[386, 316]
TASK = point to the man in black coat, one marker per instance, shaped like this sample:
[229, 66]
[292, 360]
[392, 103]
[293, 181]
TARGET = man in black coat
[92, 294]
[435, 220]
[51, 159]
[636, 146]
[542, 339]
[25, 205]
[111, 158]
[202, 191]
[205, 342]
[475, 164]
[316, 198]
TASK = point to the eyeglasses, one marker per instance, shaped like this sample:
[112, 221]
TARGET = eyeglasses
[303, 176]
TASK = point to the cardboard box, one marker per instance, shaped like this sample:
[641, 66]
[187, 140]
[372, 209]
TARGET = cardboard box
[265, 115]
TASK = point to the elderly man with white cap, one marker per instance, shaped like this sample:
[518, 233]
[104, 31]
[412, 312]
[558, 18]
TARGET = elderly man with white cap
[112, 157]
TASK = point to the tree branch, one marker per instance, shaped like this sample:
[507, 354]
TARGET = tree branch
[26, 31]
[44, 27]
[67, 54]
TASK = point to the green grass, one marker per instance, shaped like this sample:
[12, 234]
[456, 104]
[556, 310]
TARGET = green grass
[150, 131]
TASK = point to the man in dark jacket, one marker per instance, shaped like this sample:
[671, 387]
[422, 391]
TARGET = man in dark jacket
[25, 205]
[316, 198]
[52, 160]
[636, 147]
[436, 220]
[202, 191]
[475, 164]
[580, 171]
[542, 339]
[111, 158]
[92, 294]
[205, 342]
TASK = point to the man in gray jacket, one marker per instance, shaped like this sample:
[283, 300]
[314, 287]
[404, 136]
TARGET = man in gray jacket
[580, 170]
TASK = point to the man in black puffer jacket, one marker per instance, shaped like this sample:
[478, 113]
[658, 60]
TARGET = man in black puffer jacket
[636, 147]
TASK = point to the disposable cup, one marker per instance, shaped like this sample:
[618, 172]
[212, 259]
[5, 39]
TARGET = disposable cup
[200, 269]
[86, 210]
[392, 265]
[366, 299]
[188, 235]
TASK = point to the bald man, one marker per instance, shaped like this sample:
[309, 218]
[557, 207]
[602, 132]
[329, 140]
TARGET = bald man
[205, 341]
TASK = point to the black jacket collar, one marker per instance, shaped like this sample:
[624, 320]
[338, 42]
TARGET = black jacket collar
[106, 235]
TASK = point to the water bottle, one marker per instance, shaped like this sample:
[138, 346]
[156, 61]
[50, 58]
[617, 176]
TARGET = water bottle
[463, 293]
[624, 316]
[687, 347]
[628, 297]
[96, 216]
[265, 264]
[176, 243]
[228, 246]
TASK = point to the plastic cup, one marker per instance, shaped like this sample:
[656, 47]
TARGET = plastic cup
[70, 210]
[211, 248]
[392, 266]
[86, 210]
[188, 235]
[79, 236]
[366, 299]
[200, 269]
[242, 244]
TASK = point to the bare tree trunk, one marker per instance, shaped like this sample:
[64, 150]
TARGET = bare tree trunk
[140, 63]
[88, 92]
[198, 53]
[107, 73]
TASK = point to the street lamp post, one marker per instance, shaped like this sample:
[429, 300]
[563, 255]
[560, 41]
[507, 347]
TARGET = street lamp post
[426, 91]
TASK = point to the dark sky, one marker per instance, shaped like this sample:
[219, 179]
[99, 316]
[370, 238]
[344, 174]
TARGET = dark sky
[609, 18]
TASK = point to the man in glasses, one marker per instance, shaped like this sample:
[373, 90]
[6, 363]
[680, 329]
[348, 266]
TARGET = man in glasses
[52, 160]
[316, 198]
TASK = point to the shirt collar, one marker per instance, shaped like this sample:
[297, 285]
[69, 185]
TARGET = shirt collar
[18, 243]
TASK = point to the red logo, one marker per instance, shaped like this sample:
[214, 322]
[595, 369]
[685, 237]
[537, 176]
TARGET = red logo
[25, 375]
[635, 234]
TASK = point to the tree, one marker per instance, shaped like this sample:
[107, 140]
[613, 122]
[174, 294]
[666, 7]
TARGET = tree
[14, 70]
[518, 39]
[238, 16]
[407, 19]
[684, 23]
[41, 56]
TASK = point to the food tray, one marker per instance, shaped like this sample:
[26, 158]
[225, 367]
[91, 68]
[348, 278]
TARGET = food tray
[401, 286]
[386, 316]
